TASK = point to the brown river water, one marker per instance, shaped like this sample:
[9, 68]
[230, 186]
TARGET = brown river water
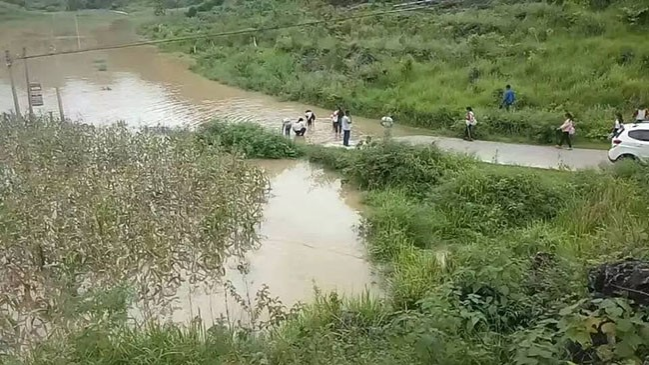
[310, 223]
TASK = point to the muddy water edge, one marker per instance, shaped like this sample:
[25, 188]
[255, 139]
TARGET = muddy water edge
[139, 85]
[309, 240]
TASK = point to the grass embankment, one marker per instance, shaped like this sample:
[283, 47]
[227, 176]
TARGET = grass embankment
[425, 67]
[11, 12]
[485, 264]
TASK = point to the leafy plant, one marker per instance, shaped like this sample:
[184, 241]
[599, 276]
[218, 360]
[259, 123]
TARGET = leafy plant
[250, 139]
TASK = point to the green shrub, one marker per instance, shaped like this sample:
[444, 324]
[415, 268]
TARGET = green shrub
[250, 139]
[414, 169]
[489, 201]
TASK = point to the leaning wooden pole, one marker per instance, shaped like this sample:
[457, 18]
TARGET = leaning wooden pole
[13, 84]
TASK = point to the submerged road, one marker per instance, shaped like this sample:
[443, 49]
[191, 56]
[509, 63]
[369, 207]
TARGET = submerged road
[546, 157]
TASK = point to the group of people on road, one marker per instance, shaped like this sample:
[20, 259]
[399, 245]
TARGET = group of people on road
[342, 122]
[566, 130]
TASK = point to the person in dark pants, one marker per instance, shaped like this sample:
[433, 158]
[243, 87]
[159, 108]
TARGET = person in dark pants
[299, 128]
[286, 127]
[509, 97]
[310, 117]
[346, 124]
[470, 124]
[339, 121]
[567, 130]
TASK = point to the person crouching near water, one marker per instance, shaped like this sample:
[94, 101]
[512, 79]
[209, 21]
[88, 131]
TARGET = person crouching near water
[310, 117]
[299, 127]
[470, 124]
[286, 127]
[567, 130]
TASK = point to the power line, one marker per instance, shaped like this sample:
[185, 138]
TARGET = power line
[223, 34]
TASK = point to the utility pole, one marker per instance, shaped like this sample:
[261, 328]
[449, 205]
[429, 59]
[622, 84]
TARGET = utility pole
[58, 98]
[76, 24]
[13, 85]
[29, 89]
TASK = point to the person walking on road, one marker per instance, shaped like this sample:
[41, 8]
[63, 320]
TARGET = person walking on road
[617, 125]
[299, 128]
[346, 124]
[567, 130]
[509, 97]
[470, 124]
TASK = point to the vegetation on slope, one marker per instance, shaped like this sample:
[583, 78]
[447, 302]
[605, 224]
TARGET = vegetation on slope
[425, 67]
[10, 12]
[485, 265]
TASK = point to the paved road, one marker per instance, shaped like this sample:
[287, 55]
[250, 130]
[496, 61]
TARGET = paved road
[547, 157]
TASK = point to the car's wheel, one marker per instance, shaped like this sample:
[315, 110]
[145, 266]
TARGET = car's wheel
[626, 157]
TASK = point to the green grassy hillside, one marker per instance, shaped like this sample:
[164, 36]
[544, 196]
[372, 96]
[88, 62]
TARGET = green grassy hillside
[427, 66]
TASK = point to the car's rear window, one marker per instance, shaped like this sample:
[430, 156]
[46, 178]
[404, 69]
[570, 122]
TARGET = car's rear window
[619, 131]
[640, 135]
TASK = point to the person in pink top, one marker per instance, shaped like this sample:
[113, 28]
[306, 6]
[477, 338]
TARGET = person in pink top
[567, 131]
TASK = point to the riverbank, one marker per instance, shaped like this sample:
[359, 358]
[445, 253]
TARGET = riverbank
[426, 67]
[484, 264]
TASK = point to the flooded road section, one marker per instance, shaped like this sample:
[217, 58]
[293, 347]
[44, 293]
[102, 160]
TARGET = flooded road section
[309, 239]
[139, 85]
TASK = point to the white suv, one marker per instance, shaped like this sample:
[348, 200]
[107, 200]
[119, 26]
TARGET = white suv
[631, 142]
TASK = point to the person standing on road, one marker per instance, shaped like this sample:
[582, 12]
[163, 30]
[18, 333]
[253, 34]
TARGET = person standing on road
[299, 128]
[509, 97]
[567, 130]
[641, 115]
[470, 124]
[339, 121]
[346, 124]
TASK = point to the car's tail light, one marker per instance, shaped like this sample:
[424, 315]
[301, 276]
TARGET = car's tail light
[617, 141]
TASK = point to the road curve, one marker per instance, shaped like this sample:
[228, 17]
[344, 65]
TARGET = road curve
[546, 157]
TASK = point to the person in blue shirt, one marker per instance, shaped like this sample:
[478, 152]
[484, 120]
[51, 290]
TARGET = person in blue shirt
[509, 97]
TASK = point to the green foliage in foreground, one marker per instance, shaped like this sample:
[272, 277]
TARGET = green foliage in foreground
[425, 67]
[484, 264]
[251, 139]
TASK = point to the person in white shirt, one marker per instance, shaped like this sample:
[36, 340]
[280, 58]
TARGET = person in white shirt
[347, 128]
[470, 124]
[617, 126]
[567, 131]
[299, 128]
[641, 115]
[387, 122]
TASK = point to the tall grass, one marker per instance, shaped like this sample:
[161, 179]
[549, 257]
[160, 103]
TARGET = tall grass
[484, 265]
[425, 67]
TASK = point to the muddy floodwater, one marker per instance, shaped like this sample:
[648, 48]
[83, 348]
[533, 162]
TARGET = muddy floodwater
[309, 238]
[309, 230]
[138, 85]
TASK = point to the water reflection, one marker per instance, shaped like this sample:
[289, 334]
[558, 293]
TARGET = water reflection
[309, 239]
